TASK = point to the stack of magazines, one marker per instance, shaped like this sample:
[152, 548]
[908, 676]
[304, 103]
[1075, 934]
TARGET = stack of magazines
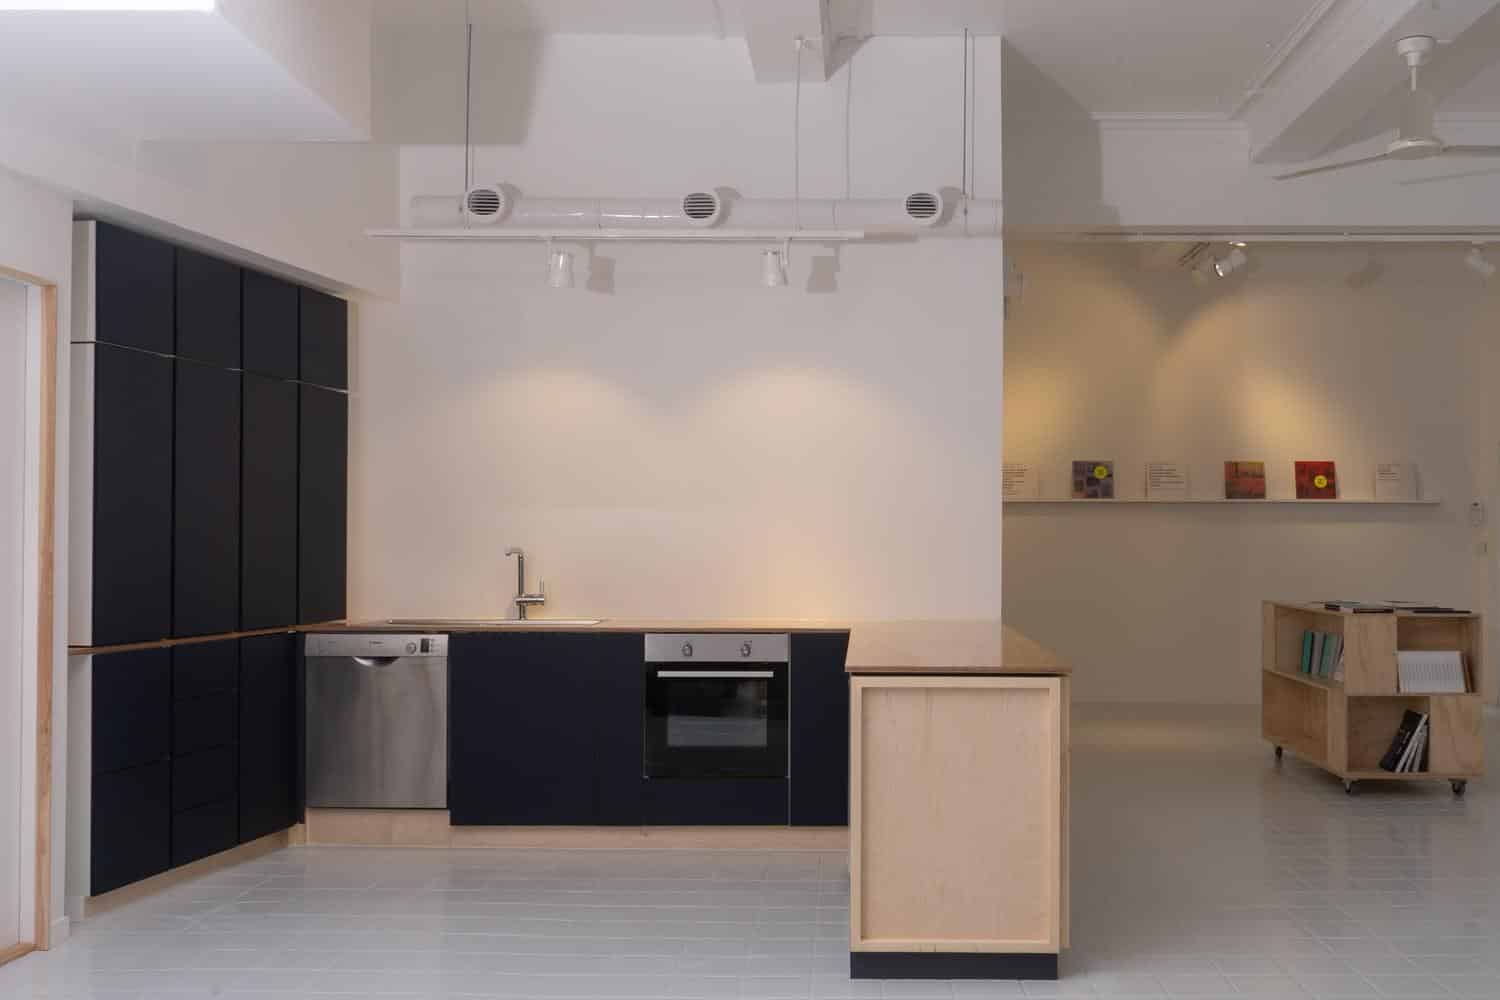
[1408, 750]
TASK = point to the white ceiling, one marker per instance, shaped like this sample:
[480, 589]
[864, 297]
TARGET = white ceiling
[153, 76]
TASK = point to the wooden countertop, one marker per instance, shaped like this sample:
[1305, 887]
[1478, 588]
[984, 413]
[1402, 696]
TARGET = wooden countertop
[948, 647]
[875, 647]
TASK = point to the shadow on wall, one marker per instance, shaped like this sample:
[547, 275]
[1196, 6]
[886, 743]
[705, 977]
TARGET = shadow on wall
[1054, 174]
[419, 85]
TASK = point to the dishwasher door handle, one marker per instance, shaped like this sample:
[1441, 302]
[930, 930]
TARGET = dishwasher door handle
[374, 661]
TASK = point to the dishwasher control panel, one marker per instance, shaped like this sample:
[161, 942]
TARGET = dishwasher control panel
[376, 644]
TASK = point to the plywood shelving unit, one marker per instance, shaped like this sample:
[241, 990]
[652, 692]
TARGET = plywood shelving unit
[1345, 726]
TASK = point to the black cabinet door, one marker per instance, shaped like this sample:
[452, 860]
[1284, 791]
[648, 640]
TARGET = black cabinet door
[206, 501]
[325, 339]
[205, 723]
[269, 326]
[268, 735]
[130, 836]
[205, 668]
[203, 777]
[268, 508]
[132, 705]
[206, 830]
[132, 558]
[521, 741]
[133, 304]
[819, 730]
[614, 662]
[322, 497]
[208, 309]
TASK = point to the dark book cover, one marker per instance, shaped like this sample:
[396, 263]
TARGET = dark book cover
[1093, 480]
[1316, 481]
[1244, 480]
[1409, 723]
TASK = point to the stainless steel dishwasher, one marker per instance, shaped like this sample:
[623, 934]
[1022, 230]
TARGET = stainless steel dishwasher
[377, 721]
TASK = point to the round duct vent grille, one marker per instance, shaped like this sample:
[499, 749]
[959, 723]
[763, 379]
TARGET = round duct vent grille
[924, 207]
[702, 207]
[484, 204]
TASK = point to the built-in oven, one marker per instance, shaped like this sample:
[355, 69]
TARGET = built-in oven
[716, 706]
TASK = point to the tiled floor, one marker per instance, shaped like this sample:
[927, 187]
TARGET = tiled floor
[1202, 869]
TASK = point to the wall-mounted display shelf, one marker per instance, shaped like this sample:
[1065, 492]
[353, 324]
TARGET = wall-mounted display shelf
[1345, 501]
[1346, 725]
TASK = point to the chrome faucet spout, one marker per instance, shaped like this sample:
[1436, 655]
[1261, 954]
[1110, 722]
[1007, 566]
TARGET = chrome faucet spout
[523, 599]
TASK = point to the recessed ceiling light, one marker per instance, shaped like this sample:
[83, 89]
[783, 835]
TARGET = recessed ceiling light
[124, 6]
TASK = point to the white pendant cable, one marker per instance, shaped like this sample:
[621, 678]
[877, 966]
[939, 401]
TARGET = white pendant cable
[468, 95]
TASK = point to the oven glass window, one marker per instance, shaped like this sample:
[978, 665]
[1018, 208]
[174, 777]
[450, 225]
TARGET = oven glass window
[716, 721]
[718, 713]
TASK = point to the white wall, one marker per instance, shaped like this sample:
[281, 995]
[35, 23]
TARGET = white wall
[1317, 353]
[674, 439]
[37, 239]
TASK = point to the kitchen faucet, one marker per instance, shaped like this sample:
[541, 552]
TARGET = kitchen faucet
[523, 599]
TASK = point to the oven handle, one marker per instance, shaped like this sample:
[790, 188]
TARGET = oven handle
[719, 674]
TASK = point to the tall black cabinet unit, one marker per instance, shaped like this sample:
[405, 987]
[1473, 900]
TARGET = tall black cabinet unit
[268, 506]
[130, 521]
[206, 501]
[322, 518]
[196, 409]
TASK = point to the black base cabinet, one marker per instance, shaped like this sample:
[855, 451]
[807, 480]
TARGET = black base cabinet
[819, 729]
[131, 835]
[268, 736]
[545, 729]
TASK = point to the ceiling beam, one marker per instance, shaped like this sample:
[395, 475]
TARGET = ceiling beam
[772, 28]
[1340, 70]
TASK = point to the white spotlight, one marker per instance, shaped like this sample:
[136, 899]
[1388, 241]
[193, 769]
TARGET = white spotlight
[1476, 261]
[772, 268]
[1228, 264]
[560, 269]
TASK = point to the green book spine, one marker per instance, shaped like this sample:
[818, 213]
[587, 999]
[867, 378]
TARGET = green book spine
[1307, 645]
[1336, 647]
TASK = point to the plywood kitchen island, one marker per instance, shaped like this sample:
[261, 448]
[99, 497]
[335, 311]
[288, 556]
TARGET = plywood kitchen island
[958, 803]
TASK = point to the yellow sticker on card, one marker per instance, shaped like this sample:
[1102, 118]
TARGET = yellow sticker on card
[1320, 481]
[1101, 472]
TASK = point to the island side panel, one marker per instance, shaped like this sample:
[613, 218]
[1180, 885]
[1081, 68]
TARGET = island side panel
[957, 827]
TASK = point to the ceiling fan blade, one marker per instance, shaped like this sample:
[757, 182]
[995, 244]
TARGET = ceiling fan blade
[1471, 150]
[1330, 166]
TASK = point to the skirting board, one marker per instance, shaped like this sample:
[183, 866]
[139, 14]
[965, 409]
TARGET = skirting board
[951, 965]
[430, 828]
[95, 905]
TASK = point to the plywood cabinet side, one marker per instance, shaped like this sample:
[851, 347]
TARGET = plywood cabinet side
[957, 826]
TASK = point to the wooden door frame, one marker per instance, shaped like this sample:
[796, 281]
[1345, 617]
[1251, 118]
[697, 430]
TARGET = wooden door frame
[45, 604]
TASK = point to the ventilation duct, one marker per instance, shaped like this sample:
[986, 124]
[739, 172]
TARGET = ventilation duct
[930, 211]
[485, 205]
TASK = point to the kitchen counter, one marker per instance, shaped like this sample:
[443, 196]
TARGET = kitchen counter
[958, 751]
[948, 647]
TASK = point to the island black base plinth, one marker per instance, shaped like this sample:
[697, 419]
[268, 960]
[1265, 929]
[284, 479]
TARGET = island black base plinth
[950, 965]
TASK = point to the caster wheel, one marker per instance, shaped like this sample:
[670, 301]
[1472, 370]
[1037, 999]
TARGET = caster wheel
[1279, 753]
[1351, 788]
[1459, 787]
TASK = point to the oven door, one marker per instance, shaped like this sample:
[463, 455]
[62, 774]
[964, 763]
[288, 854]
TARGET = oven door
[716, 720]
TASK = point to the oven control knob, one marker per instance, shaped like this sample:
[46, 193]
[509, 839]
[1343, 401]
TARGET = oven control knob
[411, 647]
[687, 650]
[745, 650]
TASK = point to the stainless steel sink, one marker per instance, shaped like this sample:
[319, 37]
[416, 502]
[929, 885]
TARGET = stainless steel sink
[445, 623]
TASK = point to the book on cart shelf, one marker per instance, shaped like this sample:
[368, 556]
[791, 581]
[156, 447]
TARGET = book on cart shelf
[1404, 755]
[1431, 671]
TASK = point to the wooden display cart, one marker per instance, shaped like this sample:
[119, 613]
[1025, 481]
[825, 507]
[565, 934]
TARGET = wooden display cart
[1345, 726]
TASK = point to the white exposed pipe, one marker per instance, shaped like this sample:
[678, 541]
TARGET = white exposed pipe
[922, 212]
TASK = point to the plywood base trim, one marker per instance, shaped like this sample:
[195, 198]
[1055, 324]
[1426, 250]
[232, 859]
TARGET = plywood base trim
[430, 828]
[15, 951]
[951, 965]
[95, 905]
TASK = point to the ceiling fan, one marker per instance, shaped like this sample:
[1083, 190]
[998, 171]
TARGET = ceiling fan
[1415, 139]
